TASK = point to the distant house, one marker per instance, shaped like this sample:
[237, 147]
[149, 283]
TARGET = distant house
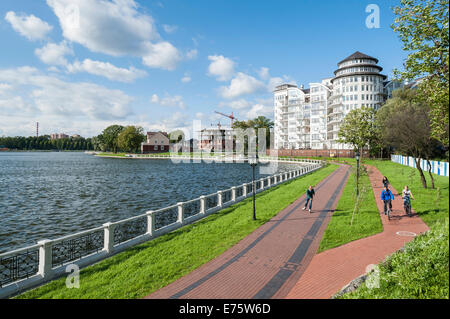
[157, 142]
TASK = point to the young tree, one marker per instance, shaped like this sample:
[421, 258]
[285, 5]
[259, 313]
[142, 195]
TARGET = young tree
[423, 27]
[358, 129]
[130, 138]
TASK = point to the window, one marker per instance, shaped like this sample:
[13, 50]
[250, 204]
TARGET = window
[162, 147]
[156, 147]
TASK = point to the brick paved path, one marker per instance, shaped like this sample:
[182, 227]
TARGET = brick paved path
[332, 269]
[269, 261]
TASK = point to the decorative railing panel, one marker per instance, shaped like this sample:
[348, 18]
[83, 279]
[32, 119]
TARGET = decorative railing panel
[129, 229]
[191, 208]
[212, 201]
[239, 191]
[226, 196]
[75, 248]
[19, 266]
[166, 217]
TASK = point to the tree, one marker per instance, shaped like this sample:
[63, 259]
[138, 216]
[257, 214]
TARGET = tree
[423, 27]
[358, 129]
[404, 124]
[110, 135]
[130, 138]
[257, 123]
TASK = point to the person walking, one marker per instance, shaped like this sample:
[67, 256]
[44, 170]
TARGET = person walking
[387, 197]
[309, 197]
[385, 181]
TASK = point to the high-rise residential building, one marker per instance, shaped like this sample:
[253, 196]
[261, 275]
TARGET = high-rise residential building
[311, 118]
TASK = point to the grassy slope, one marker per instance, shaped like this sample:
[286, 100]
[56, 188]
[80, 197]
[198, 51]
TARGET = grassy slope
[143, 269]
[431, 204]
[366, 221]
[420, 271]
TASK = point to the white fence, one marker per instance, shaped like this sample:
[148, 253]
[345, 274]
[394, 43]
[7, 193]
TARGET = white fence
[437, 167]
[31, 266]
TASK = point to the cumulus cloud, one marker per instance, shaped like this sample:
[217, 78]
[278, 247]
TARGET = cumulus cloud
[186, 78]
[170, 28]
[167, 100]
[240, 85]
[263, 73]
[30, 26]
[54, 54]
[259, 110]
[107, 70]
[237, 104]
[115, 28]
[221, 67]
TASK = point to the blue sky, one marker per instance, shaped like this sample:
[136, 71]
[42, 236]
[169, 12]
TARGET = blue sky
[77, 66]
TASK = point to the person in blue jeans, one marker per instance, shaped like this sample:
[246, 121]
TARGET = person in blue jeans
[309, 197]
[387, 197]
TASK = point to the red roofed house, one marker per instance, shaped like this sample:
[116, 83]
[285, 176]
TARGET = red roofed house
[157, 142]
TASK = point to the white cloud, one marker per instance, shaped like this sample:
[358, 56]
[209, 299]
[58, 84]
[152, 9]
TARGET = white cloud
[237, 104]
[259, 110]
[161, 55]
[172, 101]
[30, 26]
[116, 28]
[264, 73]
[221, 67]
[51, 96]
[54, 54]
[191, 54]
[107, 70]
[242, 84]
[186, 78]
[170, 28]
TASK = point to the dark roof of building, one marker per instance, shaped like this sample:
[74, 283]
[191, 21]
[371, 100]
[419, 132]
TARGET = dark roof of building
[153, 133]
[358, 55]
[306, 91]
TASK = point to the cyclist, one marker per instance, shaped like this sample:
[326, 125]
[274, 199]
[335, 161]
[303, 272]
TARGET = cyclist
[387, 197]
[407, 195]
[385, 181]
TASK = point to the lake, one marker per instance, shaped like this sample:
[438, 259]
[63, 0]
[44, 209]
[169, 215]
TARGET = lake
[45, 195]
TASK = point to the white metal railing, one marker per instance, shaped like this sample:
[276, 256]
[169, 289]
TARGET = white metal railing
[30, 266]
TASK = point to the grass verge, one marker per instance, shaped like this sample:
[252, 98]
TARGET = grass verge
[352, 221]
[148, 267]
[431, 204]
[419, 271]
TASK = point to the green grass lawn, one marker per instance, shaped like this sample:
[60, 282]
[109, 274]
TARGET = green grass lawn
[148, 267]
[431, 204]
[420, 271]
[366, 219]
[112, 154]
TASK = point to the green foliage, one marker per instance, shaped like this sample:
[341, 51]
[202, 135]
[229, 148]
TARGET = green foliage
[148, 267]
[109, 137]
[423, 27]
[358, 128]
[420, 271]
[130, 138]
[44, 143]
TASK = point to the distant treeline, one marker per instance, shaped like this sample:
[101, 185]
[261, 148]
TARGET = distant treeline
[45, 143]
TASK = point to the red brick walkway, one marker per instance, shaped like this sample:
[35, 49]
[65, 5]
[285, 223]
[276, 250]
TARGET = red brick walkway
[268, 262]
[332, 269]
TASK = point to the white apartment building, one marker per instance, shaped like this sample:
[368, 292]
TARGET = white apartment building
[310, 118]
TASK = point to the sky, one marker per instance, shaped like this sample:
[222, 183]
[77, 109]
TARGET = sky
[78, 66]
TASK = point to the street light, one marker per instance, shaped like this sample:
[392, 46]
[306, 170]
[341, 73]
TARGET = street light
[253, 161]
[357, 173]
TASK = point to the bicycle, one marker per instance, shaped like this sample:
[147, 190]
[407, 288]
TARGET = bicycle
[407, 205]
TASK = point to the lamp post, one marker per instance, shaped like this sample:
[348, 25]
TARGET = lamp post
[253, 161]
[357, 173]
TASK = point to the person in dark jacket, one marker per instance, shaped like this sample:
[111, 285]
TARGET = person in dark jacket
[309, 197]
[387, 197]
[385, 181]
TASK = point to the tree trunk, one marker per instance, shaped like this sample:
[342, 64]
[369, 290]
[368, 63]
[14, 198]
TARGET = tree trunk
[422, 177]
[429, 172]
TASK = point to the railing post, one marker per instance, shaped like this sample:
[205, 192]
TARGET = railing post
[150, 223]
[219, 198]
[262, 184]
[180, 213]
[45, 258]
[233, 193]
[202, 204]
[109, 237]
[269, 180]
[244, 190]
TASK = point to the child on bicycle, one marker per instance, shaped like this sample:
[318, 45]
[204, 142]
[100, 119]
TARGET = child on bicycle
[407, 195]
[387, 197]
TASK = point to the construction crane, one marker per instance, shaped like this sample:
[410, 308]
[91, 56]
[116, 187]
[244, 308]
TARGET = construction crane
[231, 117]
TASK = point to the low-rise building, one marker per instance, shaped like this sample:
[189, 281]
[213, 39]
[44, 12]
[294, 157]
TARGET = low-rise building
[157, 142]
[57, 136]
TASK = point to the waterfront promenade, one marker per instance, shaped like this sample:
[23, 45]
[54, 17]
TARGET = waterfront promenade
[268, 262]
[332, 269]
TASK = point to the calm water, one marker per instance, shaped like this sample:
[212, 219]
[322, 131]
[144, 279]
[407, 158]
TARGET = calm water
[48, 195]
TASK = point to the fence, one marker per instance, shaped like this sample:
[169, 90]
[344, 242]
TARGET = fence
[31, 266]
[437, 167]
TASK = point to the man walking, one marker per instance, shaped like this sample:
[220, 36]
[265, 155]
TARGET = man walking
[309, 197]
[387, 197]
